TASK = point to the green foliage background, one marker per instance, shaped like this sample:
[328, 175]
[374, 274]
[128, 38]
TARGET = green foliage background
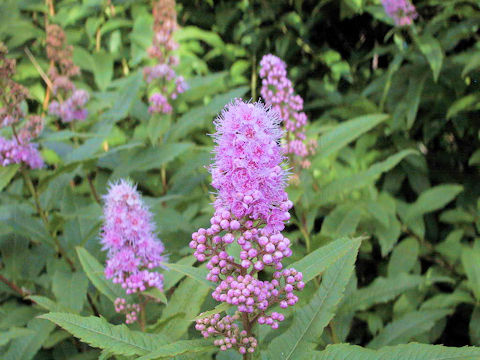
[397, 117]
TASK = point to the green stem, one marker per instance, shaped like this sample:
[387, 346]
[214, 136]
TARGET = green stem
[253, 80]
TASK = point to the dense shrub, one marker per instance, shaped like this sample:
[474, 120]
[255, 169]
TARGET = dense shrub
[383, 150]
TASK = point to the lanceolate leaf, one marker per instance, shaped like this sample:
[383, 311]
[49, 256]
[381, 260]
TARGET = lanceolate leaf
[309, 321]
[117, 339]
[346, 132]
[95, 273]
[179, 348]
[6, 174]
[408, 326]
[380, 291]
[198, 274]
[471, 264]
[400, 352]
[316, 262]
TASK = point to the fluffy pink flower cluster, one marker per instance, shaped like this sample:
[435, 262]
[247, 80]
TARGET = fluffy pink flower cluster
[71, 109]
[134, 251]
[277, 91]
[251, 209]
[18, 149]
[401, 11]
[162, 76]
[70, 102]
[13, 151]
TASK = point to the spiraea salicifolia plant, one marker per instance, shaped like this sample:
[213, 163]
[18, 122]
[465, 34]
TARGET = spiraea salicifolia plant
[402, 12]
[162, 78]
[18, 149]
[134, 250]
[251, 209]
[69, 103]
[277, 91]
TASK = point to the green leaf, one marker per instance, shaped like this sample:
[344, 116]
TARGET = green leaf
[70, 289]
[171, 278]
[6, 174]
[103, 69]
[362, 179]
[95, 272]
[187, 299]
[433, 199]
[155, 294]
[25, 347]
[432, 50]
[379, 291]
[150, 158]
[319, 260]
[471, 265]
[179, 348]
[217, 310]
[197, 274]
[403, 257]
[97, 332]
[48, 304]
[345, 132]
[408, 326]
[12, 333]
[309, 321]
[400, 352]
[412, 98]
[466, 103]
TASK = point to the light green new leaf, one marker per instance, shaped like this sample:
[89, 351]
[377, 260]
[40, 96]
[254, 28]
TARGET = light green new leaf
[95, 273]
[471, 265]
[309, 321]
[380, 290]
[408, 326]
[6, 174]
[433, 199]
[179, 348]
[432, 50]
[97, 332]
[345, 132]
[197, 274]
[466, 103]
[317, 261]
[411, 351]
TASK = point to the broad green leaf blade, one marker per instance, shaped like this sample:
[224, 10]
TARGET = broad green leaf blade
[432, 50]
[197, 274]
[381, 290]
[95, 273]
[309, 321]
[471, 265]
[408, 326]
[433, 199]
[70, 289]
[102, 69]
[316, 262]
[97, 332]
[171, 278]
[346, 132]
[12, 333]
[25, 348]
[411, 351]
[155, 294]
[362, 179]
[48, 304]
[187, 300]
[179, 348]
[6, 174]
[216, 310]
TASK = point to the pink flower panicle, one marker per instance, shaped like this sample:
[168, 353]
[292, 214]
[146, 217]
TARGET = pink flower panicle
[251, 209]
[162, 75]
[70, 102]
[134, 250]
[402, 12]
[18, 149]
[277, 91]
